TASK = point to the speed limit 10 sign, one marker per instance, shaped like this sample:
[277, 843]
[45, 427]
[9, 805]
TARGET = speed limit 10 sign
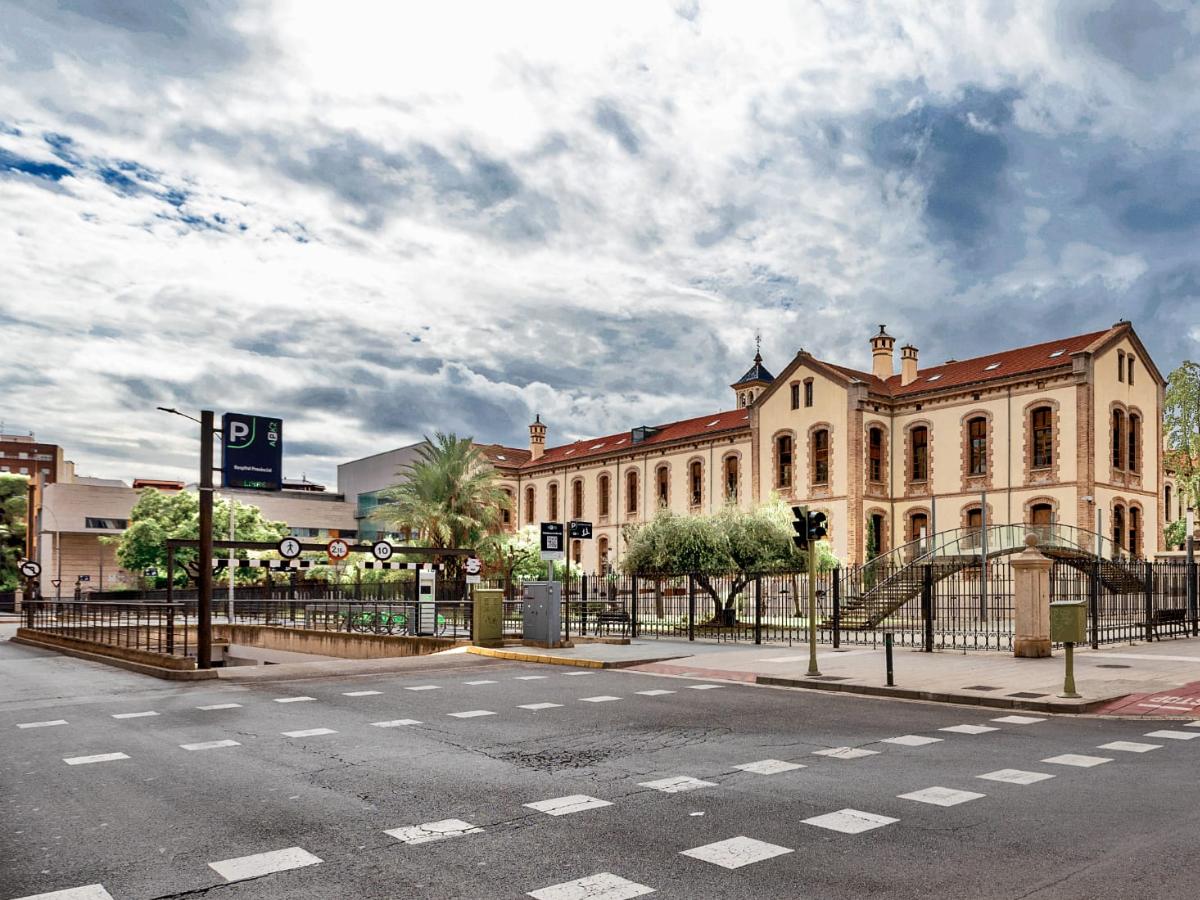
[338, 549]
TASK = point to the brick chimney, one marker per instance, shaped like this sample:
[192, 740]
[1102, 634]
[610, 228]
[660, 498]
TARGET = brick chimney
[537, 438]
[882, 344]
[908, 364]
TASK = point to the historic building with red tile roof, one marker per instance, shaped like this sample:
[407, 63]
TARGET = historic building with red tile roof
[1066, 431]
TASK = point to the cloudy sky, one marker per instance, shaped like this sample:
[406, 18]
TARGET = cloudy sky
[380, 219]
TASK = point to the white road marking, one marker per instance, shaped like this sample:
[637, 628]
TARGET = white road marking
[655, 693]
[88, 892]
[940, 796]
[969, 729]
[912, 740]
[846, 752]
[529, 677]
[708, 687]
[1174, 735]
[259, 864]
[432, 831]
[395, 723]
[577, 674]
[424, 687]
[308, 732]
[736, 852]
[1019, 720]
[222, 706]
[784, 659]
[1130, 746]
[1015, 776]
[42, 724]
[602, 886]
[769, 767]
[293, 699]
[1077, 759]
[210, 745]
[1192, 725]
[480, 681]
[536, 706]
[677, 784]
[850, 821]
[136, 715]
[360, 693]
[561, 806]
[471, 714]
[98, 758]
[601, 699]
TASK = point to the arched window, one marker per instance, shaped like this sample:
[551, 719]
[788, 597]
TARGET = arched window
[875, 541]
[977, 446]
[875, 455]
[1133, 448]
[919, 450]
[1118, 526]
[662, 480]
[1135, 530]
[731, 479]
[918, 526]
[975, 518]
[695, 482]
[820, 456]
[530, 513]
[1041, 423]
[506, 511]
[552, 501]
[602, 554]
[577, 498]
[1118, 439]
[783, 461]
[1167, 503]
[631, 491]
[1041, 515]
[602, 500]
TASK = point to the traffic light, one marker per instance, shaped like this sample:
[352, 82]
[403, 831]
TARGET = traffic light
[800, 524]
[817, 528]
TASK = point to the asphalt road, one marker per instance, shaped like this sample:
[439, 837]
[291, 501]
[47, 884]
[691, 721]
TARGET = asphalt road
[173, 822]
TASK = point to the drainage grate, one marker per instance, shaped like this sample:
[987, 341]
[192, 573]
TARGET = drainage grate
[981, 687]
[1026, 695]
[1112, 666]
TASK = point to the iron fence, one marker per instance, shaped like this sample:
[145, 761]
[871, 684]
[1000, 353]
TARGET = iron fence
[152, 627]
[8, 601]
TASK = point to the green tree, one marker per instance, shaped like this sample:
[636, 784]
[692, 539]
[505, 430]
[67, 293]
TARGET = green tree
[159, 515]
[1181, 427]
[451, 495]
[513, 555]
[13, 500]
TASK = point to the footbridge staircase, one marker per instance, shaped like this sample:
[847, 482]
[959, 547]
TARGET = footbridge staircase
[886, 583]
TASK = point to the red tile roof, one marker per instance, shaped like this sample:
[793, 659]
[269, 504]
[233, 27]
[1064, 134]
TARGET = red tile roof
[1022, 361]
[503, 457]
[699, 427]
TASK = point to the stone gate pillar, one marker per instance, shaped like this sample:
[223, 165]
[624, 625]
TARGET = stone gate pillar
[1031, 601]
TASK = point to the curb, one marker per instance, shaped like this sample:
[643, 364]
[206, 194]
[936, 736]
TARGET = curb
[140, 668]
[548, 660]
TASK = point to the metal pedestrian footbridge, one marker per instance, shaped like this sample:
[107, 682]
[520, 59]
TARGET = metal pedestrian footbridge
[886, 583]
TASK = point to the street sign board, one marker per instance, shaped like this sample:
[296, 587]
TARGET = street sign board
[151, 573]
[338, 550]
[473, 567]
[30, 569]
[579, 530]
[382, 550]
[85, 578]
[252, 452]
[552, 540]
[289, 548]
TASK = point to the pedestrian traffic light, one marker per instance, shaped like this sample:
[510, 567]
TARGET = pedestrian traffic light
[817, 528]
[800, 524]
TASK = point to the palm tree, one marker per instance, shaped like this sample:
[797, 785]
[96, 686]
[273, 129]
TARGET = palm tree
[450, 495]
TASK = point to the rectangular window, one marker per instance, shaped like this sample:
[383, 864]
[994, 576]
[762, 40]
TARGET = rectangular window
[820, 450]
[808, 393]
[783, 450]
[875, 457]
[1121, 365]
[1118, 439]
[920, 454]
[977, 435]
[795, 396]
[1129, 368]
[1043, 439]
[112, 524]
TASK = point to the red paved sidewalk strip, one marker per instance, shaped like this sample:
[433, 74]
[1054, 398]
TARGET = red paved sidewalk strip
[1175, 702]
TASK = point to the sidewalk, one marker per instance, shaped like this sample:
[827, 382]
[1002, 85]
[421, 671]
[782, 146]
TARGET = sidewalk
[1160, 679]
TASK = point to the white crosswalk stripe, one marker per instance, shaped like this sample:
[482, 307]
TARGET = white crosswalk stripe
[87, 892]
[395, 723]
[601, 886]
[1016, 776]
[136, 715]
[42, 724]
[471, 714]
[846, 752]
[601, 699]
[1019, 720]
[360, 693]
[677, 784]
[655, 693]
[969, 729]
[1077, 759]
[97, 758]
[941, 796]
[255, 866]
[433, 831]
[537, 706]
[308, 732]
[1130, 746]
[221, 706]
[769, 767]
[736, 852]
[562, 806]
[293, 699]
[210, 745]
[912, 740]
[1174, 735]
[850, 821]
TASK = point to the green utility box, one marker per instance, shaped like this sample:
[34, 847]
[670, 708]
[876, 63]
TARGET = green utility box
[1068, 621]
[487, 619]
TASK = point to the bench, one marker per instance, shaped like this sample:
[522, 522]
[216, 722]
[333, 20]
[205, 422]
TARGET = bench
[607, 619]
[1173, 620]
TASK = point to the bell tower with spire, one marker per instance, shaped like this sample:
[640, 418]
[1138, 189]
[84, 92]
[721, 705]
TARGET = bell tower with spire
[755, 381]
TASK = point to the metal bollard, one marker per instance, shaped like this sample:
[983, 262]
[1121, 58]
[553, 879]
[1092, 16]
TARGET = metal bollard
[887, 653]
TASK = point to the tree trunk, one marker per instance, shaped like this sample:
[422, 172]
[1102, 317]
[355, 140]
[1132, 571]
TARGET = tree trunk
[658, 599]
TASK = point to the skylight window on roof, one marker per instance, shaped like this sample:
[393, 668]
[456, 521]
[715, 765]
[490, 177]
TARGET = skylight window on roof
[995, 365]
[934, 377]
[712, 423]
[619, 443]
[569, 452]
[501, 456]
[1057, 353]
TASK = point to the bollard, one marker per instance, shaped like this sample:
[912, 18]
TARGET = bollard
[887, 653]
[1069, 692]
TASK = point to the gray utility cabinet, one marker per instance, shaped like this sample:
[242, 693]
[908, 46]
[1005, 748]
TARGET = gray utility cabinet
[542, 612]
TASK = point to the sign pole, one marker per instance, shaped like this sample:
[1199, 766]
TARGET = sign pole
[812, 609]
[229, 611]
[204, 596]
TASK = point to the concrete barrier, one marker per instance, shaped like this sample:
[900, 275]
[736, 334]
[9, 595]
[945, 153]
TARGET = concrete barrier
[340, 644]
[159, 665]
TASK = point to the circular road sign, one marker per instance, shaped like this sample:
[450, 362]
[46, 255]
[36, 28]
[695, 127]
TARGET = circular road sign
[289, 548]
[338, 549]
[31, 569]
[473, 565]
[382, 550]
